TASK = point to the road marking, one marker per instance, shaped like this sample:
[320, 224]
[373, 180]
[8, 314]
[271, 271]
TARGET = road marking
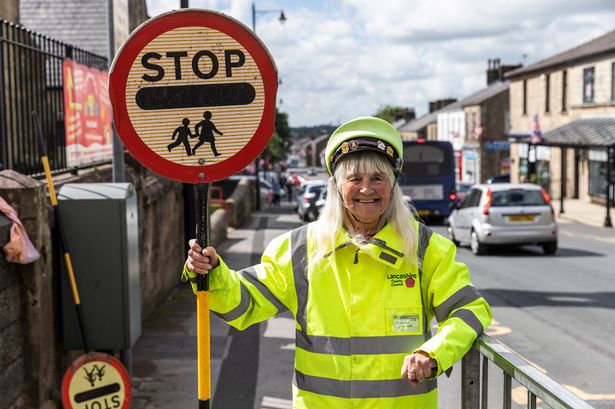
[276, 403]
[280, 327]
[587, 236]
[590, 396]
[496, 329]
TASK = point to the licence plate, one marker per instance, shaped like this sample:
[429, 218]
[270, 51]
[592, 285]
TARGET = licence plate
[423, 212]
[521, 218]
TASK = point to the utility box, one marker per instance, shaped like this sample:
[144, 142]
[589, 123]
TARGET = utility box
[101, 227]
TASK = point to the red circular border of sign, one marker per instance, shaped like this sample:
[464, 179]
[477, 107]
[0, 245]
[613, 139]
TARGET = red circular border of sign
[95, 356]
[117, 92]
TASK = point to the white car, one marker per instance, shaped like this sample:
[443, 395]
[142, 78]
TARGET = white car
[504, 213]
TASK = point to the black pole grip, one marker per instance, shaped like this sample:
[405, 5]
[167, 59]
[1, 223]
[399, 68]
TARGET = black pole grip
[202, 228]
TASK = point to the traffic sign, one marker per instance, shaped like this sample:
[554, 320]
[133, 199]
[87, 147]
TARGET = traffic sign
[96, 381]
[193, 95]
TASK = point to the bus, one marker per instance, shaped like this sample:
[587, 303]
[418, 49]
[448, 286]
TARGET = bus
[428, 177]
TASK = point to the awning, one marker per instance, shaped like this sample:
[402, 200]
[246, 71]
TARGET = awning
[598, 132]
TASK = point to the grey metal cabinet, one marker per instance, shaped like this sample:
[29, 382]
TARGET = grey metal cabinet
[101, 226]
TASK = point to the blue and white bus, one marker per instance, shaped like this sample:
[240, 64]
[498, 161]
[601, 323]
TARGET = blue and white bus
[428, 177]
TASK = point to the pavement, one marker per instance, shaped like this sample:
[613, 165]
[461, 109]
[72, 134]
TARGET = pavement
[164, 357]
[580, 211]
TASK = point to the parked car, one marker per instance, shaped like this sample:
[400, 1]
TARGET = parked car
[461, 190]
[320, 203]
[504, 213]
[307, 194]
[499, 179]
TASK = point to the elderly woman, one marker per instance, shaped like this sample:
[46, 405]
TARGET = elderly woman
[363, 282]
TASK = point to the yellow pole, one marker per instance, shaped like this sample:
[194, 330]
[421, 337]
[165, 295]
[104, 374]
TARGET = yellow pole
[202, 300]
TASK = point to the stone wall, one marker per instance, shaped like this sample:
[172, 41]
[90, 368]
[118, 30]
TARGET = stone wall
[32, 359]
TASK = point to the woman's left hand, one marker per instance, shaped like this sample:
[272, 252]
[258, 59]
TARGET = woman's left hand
[417, 367]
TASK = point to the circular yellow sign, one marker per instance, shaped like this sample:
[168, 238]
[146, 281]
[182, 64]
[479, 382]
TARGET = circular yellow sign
[195, 96]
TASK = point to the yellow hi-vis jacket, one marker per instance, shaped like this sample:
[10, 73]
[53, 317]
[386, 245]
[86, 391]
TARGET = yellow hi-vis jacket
[359, 312]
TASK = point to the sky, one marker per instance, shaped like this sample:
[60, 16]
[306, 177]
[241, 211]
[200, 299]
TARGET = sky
[340, 59]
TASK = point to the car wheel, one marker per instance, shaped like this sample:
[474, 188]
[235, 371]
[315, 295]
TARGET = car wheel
[550, 247]
[477, 247]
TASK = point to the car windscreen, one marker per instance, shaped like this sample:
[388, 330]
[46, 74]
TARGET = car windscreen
[517, 197]
[426, 160]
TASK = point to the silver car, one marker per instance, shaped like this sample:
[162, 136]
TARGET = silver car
[307, 195]
[504, 213]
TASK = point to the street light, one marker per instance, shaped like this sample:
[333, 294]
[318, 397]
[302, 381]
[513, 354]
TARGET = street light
[281, 19]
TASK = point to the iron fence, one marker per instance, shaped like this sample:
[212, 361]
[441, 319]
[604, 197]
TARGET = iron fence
[31, 80]
[475, 379]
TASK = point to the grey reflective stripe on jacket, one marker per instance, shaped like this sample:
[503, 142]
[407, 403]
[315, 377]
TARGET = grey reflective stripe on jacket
[244, 303]
[298, 254]
[319, 344]
[424, 237]
[387, 388]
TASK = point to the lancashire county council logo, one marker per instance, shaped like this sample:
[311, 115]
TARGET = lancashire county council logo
[345, 147]
[399, 280]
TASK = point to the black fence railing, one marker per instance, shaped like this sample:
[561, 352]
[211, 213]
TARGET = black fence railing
[31, 80]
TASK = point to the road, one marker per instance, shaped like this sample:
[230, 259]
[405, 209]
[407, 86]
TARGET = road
[557, 311]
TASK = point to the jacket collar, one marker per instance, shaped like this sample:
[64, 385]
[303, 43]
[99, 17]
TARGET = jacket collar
[385, 247]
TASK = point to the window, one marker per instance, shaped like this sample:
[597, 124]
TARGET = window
[613, 82]
[547, 92]
[588, 85]
[524, 97]
[564, 91]
[472, 199]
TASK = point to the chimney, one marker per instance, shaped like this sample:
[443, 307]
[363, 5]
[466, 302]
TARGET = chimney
[439, 104]
[496, 71]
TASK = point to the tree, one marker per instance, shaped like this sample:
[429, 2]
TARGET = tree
[392, 113]
[280, 141]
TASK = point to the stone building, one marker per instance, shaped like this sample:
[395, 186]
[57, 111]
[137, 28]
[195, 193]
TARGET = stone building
[471, 125]
[568, 102]
[83, 23]
[424, 127]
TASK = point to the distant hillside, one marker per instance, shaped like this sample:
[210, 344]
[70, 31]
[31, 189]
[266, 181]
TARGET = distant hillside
[310, 131]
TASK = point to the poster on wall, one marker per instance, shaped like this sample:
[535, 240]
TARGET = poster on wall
[87, 114]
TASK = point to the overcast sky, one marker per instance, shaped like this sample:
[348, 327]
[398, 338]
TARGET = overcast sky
[339, 59]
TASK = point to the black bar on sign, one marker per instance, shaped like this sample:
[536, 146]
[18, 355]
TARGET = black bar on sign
[97, 393]
[195, 96]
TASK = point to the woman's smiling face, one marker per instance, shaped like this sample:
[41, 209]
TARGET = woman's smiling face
[367, 197]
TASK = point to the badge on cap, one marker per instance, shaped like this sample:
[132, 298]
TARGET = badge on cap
[381, 145]
[389, 151]
[345, 147]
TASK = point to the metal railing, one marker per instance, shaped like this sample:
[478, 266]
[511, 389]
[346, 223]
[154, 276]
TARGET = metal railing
[475, 376]
[31, 79]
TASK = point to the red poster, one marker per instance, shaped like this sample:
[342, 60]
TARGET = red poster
[87, 117]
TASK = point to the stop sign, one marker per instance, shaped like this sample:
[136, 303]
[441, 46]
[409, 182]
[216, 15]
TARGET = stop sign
[193, 95]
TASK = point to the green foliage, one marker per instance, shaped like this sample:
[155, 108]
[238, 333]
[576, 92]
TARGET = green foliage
[281, 139]
[391, 113]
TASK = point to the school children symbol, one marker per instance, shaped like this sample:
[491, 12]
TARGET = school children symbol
[204, 130]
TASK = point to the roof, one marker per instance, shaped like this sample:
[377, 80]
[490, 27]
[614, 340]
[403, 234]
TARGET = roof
[604, 44]
[588, 132]
[485, 93]
[419, 123]
[478, 97]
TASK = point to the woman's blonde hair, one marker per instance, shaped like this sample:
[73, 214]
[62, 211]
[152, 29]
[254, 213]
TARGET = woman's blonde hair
[335, 216]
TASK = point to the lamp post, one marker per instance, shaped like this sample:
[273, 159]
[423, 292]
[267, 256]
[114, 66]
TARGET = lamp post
[281, 19]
